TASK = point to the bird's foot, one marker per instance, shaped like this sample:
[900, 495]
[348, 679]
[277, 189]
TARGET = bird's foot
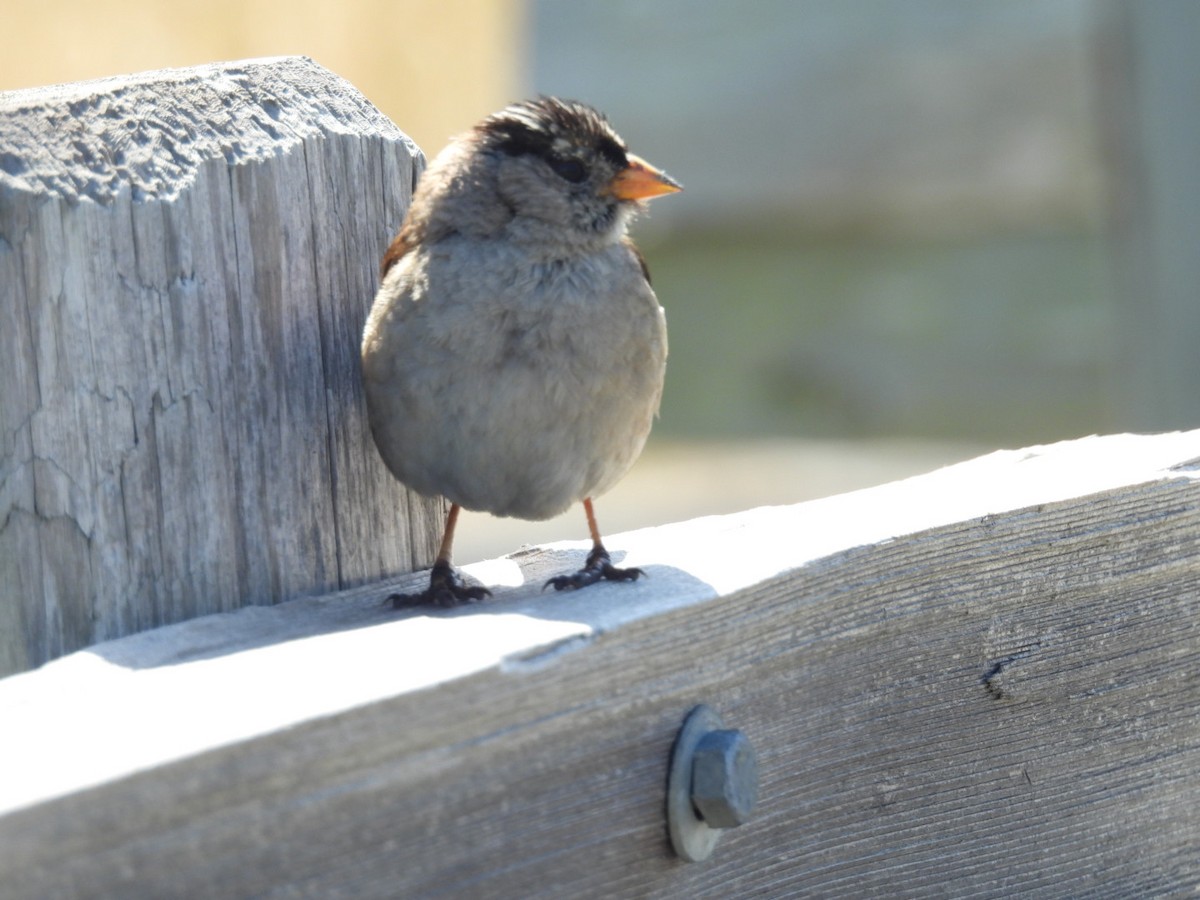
[598, 567]
[446, 589]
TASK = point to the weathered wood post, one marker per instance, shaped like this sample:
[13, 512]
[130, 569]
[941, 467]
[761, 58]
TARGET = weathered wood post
[186, 260]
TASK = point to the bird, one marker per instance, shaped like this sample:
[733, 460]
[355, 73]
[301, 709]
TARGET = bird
[514, 355]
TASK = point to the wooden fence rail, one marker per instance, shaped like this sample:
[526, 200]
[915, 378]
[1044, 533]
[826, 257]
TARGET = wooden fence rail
[186, 261]
[982, 681]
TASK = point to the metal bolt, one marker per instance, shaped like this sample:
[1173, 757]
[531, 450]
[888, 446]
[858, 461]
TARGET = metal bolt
[724, 779]
[712, 784]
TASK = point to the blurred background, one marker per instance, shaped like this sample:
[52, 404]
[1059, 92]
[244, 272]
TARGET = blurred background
[912, 231]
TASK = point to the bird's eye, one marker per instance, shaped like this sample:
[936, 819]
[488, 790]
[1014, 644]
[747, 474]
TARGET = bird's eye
[570, 169]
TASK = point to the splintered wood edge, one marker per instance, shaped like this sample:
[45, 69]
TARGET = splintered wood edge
[233, 111]
[233, 677]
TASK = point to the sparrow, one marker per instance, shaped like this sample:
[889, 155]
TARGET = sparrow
[513, 358]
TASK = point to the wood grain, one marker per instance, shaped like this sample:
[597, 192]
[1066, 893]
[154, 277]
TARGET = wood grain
[186, 260]
[976, 682]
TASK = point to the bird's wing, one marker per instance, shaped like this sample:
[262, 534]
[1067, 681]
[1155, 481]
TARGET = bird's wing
[403, 242]
[637, 254]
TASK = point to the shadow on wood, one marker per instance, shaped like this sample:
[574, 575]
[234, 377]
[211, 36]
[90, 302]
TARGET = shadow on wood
[978, 681]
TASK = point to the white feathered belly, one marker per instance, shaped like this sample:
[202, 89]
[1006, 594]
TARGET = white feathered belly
[521, 409]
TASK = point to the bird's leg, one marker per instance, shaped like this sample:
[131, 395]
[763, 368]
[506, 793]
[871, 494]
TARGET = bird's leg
[598, 565]
[446, 587]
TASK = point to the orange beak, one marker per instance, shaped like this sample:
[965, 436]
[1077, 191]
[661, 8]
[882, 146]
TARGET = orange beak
[639, 180]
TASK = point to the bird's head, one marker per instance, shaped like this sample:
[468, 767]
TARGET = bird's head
[548, 174]
[560, 165]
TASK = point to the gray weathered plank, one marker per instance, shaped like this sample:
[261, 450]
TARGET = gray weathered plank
[979, 681]
[186, 260]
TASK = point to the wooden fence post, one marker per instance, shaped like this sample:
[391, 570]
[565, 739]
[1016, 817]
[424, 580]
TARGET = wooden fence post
[186, 260]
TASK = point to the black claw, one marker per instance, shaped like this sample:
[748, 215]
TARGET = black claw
[446, 589]
[598, 567]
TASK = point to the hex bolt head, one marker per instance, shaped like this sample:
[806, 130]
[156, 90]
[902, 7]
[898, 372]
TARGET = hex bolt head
[724, 779]
[712, 783]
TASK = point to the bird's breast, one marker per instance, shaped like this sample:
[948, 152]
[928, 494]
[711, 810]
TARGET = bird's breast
[524, 386]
